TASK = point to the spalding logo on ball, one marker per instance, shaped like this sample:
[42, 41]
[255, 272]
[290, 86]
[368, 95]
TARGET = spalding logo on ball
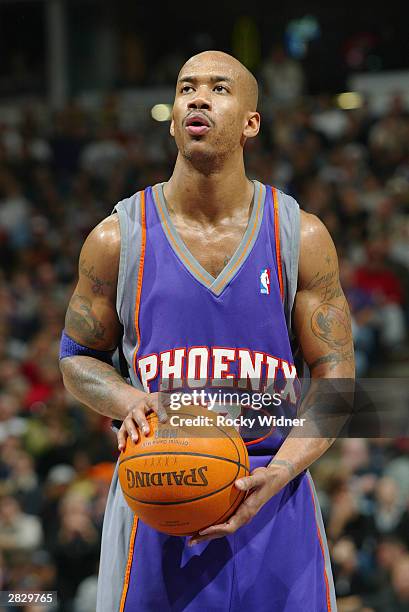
[180, 480]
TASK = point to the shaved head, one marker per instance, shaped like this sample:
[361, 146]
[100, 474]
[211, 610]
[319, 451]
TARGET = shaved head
[215, 110]
[226, 64]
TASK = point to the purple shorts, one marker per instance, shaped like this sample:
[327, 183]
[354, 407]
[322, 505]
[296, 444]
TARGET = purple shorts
[278, 562]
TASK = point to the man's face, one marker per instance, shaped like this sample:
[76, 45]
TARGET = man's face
[211, 112]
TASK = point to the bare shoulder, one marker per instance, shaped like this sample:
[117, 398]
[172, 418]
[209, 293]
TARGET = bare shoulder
[313, 231]
[106, 236]
[101, 249]
[91, 317]
[318, 255]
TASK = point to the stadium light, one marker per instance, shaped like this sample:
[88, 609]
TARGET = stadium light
[349, 100]
[161, 112]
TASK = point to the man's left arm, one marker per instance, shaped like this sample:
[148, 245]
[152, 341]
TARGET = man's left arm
[322, 324]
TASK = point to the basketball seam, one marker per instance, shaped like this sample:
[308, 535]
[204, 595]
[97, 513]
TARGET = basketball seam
[189, 453]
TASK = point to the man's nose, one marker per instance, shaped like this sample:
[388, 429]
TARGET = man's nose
[200, 102]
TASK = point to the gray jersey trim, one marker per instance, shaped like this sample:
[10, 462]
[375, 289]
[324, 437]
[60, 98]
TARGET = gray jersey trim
[289, 217]
[253, 230]
[327, 561]
[129, 211]
[218, 284]
[172, 235]
[116, 537]
[129, 214]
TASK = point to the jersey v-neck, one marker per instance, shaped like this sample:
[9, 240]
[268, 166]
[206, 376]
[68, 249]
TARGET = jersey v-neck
[215, 284]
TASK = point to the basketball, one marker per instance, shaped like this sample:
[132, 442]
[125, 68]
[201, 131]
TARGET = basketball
[180, 479]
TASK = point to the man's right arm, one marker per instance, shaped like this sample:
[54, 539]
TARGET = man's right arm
[92, 321]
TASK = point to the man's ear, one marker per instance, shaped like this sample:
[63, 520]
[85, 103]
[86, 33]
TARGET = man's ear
[172, 128]
[252, 126]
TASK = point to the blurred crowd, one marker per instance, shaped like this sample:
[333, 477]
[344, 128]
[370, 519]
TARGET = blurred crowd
[60, 174]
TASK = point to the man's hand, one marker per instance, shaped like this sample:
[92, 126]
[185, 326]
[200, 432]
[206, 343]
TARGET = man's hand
[136, 417]
[262, 484]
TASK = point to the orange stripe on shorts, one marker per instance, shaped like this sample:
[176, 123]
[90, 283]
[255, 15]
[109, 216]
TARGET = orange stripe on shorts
[129, 564]
[322, 550]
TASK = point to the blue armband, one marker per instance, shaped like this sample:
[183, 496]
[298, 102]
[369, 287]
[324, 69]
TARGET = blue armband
[69, 348]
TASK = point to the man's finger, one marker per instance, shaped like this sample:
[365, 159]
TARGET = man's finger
[242, 516]
[217, 530]
[138, 414]
[197, 539]
[131, 429]
[211, 533]
[223, 530]
[121, 437]
[250, 482]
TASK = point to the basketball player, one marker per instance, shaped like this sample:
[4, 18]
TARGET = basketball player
[195, 278]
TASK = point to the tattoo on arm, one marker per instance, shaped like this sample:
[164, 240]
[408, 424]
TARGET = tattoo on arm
[82, 320]
[97, 283]
[95, 384]
[333, 358]
[326, 284]
[286, 464]
[331, 325]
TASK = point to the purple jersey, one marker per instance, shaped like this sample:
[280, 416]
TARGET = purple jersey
[185, 329]
[229, 332]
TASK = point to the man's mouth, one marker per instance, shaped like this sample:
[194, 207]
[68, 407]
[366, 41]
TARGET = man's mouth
[197, 124]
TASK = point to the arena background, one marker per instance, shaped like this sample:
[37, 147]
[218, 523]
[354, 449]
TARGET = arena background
[86, 89]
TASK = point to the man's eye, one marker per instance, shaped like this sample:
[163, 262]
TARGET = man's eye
[220, 88]
[186, 88]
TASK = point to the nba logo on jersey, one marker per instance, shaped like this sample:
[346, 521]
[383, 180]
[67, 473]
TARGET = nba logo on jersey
[265, 281]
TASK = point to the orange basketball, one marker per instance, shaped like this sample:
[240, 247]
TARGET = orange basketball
[180, 478]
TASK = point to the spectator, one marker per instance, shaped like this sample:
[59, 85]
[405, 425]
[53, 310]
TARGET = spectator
[76, 548]
[389, 550]
[379, 281]
[389, 510]
[365, 319]
[282, 78]
[349, 579]
[23, 483]
[18, 531]
[395, 598]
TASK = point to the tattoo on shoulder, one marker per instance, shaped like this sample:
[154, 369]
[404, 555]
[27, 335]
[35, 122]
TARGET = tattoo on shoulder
[82, 320]
[97, 282]
[331, 325]
[284, 463]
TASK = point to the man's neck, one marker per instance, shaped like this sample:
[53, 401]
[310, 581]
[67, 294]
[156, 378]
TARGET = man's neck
[208, 197]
